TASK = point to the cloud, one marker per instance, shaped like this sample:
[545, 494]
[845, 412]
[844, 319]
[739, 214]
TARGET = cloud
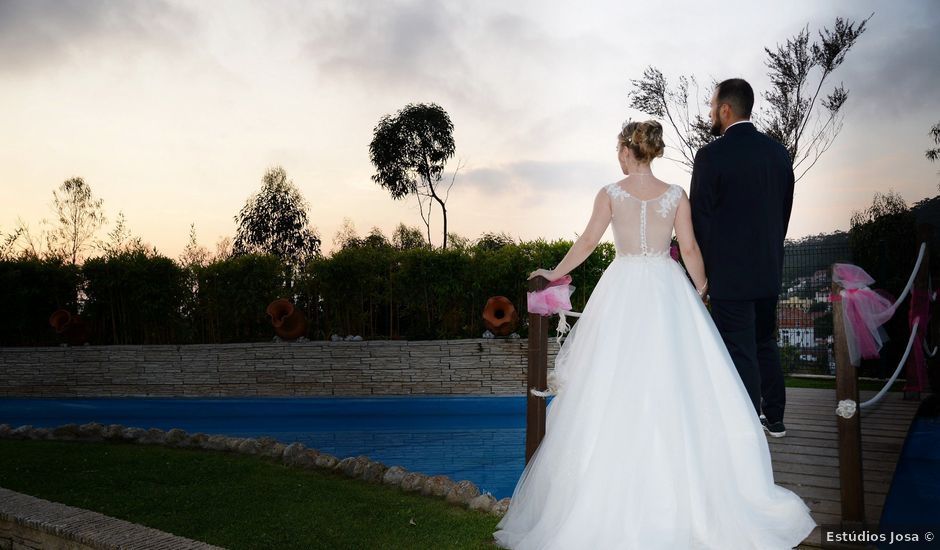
[481, 57]
[39, 33]
[893, 67]
[393, 44]
[535, 178]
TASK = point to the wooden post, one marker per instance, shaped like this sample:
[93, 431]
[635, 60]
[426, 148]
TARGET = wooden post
[536, 374]
[850, 429]
[916, 383]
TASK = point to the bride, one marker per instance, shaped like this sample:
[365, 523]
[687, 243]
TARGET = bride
[651, 441]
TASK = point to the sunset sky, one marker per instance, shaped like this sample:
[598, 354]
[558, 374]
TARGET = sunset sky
[172, 111]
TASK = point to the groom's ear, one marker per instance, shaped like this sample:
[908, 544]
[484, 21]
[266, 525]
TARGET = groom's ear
[724, 112]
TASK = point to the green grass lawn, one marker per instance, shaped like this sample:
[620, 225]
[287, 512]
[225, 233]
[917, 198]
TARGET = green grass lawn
[237, 501]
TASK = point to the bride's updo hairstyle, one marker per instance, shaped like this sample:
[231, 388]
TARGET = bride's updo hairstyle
[645, 139]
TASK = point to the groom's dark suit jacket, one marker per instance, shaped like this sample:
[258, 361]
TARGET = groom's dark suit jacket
[741, 196]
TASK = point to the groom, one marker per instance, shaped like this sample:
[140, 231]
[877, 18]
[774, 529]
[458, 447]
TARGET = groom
[741, 195]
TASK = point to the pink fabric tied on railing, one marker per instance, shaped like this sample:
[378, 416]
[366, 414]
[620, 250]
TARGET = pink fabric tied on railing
[864, 311]
[552, 299]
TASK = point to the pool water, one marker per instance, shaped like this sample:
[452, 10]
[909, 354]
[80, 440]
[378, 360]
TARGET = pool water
[913, 501]
[481, 439]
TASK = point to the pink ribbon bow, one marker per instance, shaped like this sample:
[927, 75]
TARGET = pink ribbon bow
[864, 311]
[554, 298]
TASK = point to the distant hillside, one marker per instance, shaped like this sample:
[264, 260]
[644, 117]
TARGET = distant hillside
[837, 238]
[928, 211]
[803, 257]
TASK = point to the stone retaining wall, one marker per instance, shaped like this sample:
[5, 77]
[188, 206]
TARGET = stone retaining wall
[441, 367]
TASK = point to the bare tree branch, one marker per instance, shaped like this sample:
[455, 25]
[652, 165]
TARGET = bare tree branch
[792, 102]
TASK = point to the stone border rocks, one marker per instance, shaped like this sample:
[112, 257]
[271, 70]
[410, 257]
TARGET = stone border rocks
[295, 455]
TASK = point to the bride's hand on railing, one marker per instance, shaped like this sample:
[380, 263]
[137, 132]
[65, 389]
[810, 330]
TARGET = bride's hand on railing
[548, 274]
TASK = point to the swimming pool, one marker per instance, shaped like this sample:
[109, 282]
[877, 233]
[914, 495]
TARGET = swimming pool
[479, 438]
[913, 501]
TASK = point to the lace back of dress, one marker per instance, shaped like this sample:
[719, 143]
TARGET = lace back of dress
[643, 227]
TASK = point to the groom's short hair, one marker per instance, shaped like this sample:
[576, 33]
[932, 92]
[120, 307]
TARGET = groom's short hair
[738, 94]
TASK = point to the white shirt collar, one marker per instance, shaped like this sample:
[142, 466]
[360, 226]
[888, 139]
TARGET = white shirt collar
[738, 122]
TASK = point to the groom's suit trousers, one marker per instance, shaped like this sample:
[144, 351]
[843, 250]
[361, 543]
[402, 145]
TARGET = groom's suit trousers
[747, 328]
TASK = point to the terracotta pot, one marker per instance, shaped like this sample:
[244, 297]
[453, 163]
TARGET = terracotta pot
[500, 316]
[71, 328]
[289, 322]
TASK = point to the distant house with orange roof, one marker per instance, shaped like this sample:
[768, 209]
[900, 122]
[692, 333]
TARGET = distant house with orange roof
[795, 327]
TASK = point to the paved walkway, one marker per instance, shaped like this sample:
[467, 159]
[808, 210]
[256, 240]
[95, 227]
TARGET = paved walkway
[32, 522]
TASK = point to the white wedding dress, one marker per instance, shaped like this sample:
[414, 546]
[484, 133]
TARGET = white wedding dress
[651, 442]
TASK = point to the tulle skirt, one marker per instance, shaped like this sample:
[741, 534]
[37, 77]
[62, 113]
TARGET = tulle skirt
[652, 442]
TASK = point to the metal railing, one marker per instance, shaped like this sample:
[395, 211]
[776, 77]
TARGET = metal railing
[804, 309]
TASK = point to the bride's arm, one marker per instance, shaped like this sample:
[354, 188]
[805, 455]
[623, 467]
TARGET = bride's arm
[688, 246]
[582, 248]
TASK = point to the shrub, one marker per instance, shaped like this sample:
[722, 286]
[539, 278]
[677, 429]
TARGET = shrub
[30, 290]
[232, 295]
[134, 297]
